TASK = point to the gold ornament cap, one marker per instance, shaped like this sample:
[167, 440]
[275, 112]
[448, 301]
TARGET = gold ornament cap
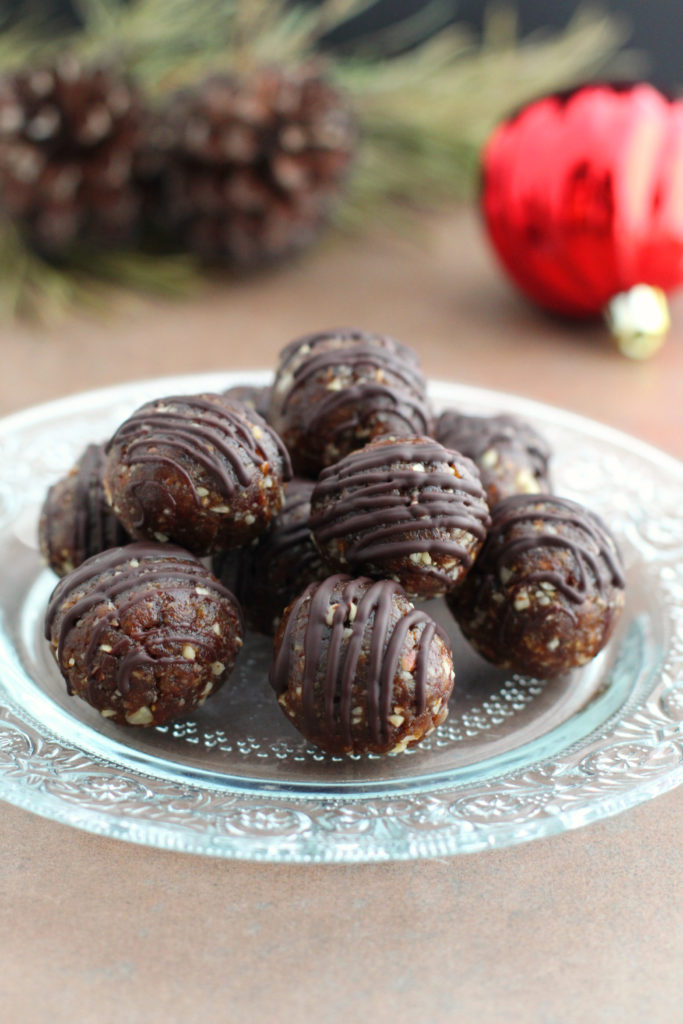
[639, 320]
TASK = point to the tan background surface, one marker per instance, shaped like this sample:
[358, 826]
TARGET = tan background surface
[582, 927]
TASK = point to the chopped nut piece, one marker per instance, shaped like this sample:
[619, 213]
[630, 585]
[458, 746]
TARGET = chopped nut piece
[142, 716]
[489, 458]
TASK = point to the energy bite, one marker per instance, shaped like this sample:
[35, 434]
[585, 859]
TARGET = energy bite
[358, 669]
[76, 521]
[143, 633]
[512, 457]
[546, 590]
[257, 398]
[333, 392]
[270, 572]
[203, 471]
[407, 509]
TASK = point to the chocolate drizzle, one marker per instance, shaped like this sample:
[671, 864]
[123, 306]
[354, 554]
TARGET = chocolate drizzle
[344, 337]
[96, 528]
[116, 581]
[76, 520]
[526, 524]
[367, 625]
[473, 436]
[386, 508]
[386, 376]
[209, 430]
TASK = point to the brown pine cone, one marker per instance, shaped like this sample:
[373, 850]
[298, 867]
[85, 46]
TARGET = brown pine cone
[255, 163]
[68, 136]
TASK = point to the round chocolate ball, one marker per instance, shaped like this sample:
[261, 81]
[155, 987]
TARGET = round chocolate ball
[512, 457]
[269, 573]
[333, 392]
[357, 668]
[252, 395]
[407, 509]
[200, 470]
[546, 590]
[143, 633]
[76, 521]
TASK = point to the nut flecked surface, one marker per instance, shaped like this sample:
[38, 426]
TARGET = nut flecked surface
[201, 471]
[335, 391]
[546, 591]
[143, 633]
[512, 457]
[407, 509]
[75, 520]
[358, 669]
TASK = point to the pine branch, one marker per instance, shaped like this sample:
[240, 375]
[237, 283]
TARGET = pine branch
[37, 289]
[424, 107]
[425, 115]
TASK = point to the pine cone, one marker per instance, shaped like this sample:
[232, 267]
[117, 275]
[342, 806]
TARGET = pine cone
[255, 163]
[68, 137]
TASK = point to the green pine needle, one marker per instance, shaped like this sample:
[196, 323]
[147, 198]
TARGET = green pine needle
[424, 109]
[40, 290]
[425, 115]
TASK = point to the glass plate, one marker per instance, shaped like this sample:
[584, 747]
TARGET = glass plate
[517, 758]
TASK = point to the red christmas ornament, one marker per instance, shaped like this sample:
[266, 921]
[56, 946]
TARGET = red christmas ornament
[583, 199]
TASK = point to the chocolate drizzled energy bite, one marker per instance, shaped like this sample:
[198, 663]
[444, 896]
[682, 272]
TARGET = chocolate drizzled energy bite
[76, 521]
[143, 633]
[201, 470]
[335, 391]
[547, 589]
[358, 669]
[388, 512]
[407, 509]
[512, 457]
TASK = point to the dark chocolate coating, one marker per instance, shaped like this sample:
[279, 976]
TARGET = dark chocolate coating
[200, 470]
[358, 669]
[76, 521]
[143, 633]
[269, 573]
[512, 457]
[257, 398]
[335, 391]
[408, 509]
[546, 590]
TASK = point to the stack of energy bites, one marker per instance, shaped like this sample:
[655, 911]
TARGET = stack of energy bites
[388, 505]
